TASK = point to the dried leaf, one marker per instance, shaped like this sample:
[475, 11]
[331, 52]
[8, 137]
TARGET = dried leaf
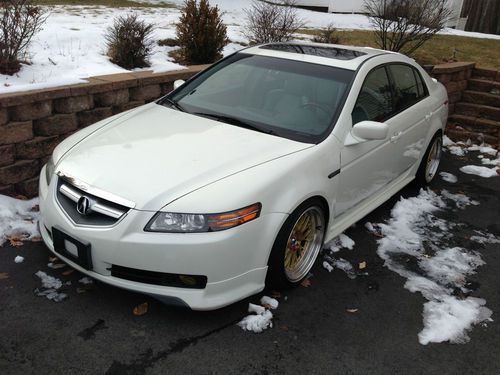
[284, 328]
[68, 272]
[352, 311]
[362, 265]
[36, 239]
[306, 283]
[267, 306]
[4, 275]
[15, 243]
[141, 309]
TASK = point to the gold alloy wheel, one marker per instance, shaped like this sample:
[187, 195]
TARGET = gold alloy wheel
[304, 244]
[433, 160]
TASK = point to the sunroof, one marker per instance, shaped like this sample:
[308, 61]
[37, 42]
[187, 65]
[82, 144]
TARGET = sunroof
[329, 52]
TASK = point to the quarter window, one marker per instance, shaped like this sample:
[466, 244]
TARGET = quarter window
[375, 99]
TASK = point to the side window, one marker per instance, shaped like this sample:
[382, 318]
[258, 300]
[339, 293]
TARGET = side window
[375, 98]
[422, 88]
[407, 89]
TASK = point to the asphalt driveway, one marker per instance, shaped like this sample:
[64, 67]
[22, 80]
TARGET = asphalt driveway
[95, 332]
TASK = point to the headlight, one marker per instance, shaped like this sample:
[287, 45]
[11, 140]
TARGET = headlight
[196, 223]
[49, 170]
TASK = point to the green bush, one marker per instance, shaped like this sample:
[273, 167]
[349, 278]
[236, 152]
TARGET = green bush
[129, 42]
[201, 33]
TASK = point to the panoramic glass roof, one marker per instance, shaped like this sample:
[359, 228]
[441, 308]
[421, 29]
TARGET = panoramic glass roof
[329, 52]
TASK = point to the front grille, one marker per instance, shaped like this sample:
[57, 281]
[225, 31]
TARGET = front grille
[102, 212]
[159, 278]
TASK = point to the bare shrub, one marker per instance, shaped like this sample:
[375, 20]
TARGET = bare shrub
[20, 20]
[129, 42]
[271, 22]
[405, 25]
[328, 35]
[200, 32]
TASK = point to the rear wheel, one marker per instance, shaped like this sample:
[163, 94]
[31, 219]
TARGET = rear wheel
[297, 246]
[430, 163]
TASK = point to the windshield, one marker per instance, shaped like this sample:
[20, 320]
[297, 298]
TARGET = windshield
[287, 98]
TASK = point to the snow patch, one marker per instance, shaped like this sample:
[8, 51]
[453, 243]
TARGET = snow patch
[341, 242]
[479, 171]
[86, 280]
[18, 218]
[260, 318]
[50, 287]
[418, 245]
[448, 177]
[19, 259]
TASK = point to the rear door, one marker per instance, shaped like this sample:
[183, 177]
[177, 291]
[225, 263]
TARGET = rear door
[410, 123]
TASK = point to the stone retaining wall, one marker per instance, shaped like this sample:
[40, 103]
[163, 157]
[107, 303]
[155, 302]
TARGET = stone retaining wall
[32, 123]
[454, 76]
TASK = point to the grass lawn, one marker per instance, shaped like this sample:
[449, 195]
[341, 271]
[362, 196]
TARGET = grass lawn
[441, 48]
[108, 3]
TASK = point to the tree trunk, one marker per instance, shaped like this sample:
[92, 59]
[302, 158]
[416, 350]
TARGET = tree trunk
[484, 17]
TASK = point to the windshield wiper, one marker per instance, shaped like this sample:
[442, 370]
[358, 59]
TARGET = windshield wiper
[234, 121]
[173, 103]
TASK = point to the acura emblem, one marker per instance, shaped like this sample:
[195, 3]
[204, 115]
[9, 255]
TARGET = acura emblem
[83, 205]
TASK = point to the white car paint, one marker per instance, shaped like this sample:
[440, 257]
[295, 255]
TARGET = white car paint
[161, 159]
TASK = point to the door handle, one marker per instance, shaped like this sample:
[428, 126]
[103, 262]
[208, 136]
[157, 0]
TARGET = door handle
[396, 136]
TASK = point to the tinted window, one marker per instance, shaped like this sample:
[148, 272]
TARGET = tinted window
[375, 99]
[292, 99]
[407, 90]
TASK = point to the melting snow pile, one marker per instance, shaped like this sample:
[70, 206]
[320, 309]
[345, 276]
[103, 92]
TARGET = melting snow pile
[18, 219]
[419, 246]
[448, 177]
[261, 316]
[461, 148]
[50, 287]
[479, 171]
[330, 262]
[19, 259]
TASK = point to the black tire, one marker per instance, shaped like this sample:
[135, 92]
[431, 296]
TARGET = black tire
[423, 176]
[277, 277]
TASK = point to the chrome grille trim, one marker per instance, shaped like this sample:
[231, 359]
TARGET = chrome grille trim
[95, 207]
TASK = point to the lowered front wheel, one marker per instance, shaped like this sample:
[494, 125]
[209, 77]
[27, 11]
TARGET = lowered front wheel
[297, 246]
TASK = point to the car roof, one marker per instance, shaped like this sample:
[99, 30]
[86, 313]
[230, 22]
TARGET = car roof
[346, 57]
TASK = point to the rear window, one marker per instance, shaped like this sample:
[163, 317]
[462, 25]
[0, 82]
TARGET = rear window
[408, 85]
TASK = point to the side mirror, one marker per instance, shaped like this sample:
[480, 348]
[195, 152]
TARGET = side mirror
[178, 83]
[370, 130]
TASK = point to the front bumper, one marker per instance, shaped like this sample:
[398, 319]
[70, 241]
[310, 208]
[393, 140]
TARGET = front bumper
[234, 261]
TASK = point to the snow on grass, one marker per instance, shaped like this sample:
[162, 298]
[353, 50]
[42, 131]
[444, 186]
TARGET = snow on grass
[19, 259]
[260, 317]
[479, 171]
[18, 219]
[418, 246]
[50, 287]
[71, 46]
[448, 177]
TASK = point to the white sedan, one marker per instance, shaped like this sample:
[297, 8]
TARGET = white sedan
[237, 178]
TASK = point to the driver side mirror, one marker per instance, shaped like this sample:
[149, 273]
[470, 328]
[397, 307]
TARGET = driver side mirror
[178, 83]
[368, 131]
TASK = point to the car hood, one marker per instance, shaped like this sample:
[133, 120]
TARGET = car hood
[156, 155]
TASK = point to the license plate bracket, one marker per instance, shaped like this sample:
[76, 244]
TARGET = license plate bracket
[84, 255]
